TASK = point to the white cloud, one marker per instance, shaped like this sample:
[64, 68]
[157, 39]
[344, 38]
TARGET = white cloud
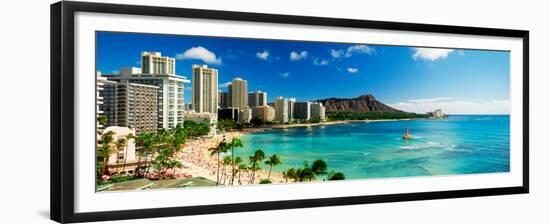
[362, 49]
[355, 49]
[430, 54]
[319, 62]
[115, 72]
[352, 70]
[200, 53]
[294, 56]
[264, 55]
[284, 74]
[430, 100]
[336, 53]
[224, 85]
[188, 88]
[453, 106]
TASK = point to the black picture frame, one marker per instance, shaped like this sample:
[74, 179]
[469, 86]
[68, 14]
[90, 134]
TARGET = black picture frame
[62, 110]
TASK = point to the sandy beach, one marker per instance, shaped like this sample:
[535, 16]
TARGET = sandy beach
[197, 161]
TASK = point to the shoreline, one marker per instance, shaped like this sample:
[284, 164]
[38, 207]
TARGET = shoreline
[197, 161]
[330, 123]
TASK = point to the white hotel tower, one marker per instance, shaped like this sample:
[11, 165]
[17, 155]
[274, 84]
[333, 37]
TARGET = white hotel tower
[160, 71]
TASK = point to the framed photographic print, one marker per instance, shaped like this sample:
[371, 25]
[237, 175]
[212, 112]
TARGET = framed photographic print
[159, 111]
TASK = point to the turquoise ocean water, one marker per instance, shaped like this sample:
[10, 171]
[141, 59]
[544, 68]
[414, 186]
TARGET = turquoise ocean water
[460, 144]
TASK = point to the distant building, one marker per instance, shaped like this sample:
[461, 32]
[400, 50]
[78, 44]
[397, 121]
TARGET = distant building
[245, 115]
[205, 89]
[219, 96]
[438, 113]
[317, 111]
[239, 94]
[302, 110]
[188, 107]
[264, 113]
[130, 105]
[159, 71]
[229, 113]
[281, 109]
[225, 100]
[256, 99]
[208, 118]
[291, 102]
[129, 71]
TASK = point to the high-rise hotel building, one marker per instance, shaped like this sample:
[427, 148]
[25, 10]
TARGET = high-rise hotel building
[205, 89]
[317, 111]
[224, 100]
[154, 63]
[239, 93]
[291, 102]
[159, 71]
[281, 109]
[256, 99]
[302, 110]
[130, 105]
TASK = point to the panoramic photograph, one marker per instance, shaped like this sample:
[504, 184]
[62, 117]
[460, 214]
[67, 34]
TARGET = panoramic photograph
[182, 111]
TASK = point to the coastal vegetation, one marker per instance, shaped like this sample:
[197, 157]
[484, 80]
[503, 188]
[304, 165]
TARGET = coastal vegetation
[156, 159]
[375, 115]
[158, 149]
[196, 129]
[308, 173]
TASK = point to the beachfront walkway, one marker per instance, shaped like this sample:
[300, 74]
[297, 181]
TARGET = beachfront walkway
[145, 184]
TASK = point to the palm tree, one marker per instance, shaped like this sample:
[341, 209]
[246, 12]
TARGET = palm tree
[305, 173]
[144, 144]
[128, 138]
[160, 141]
[104, 151]
[221, 148]
[226, 161]
[290, 173]
[255, 159]
[242, 168]
[235, 142]
[237, 163]
[319, 167]
[272, 161]
[333, 175]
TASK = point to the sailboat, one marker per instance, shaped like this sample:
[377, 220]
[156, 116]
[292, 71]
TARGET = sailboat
[406, 136]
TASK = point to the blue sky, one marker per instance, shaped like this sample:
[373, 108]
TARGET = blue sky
[412, 79]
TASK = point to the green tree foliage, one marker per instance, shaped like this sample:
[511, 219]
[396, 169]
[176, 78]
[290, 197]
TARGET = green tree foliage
[333, 175]
[307, 172]
[345, 115]
[196, 129]
[255, 161]
[272, 161]
[257, 122]
[226, 124]
[221, 148]
[265, 181]
[102, 119]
